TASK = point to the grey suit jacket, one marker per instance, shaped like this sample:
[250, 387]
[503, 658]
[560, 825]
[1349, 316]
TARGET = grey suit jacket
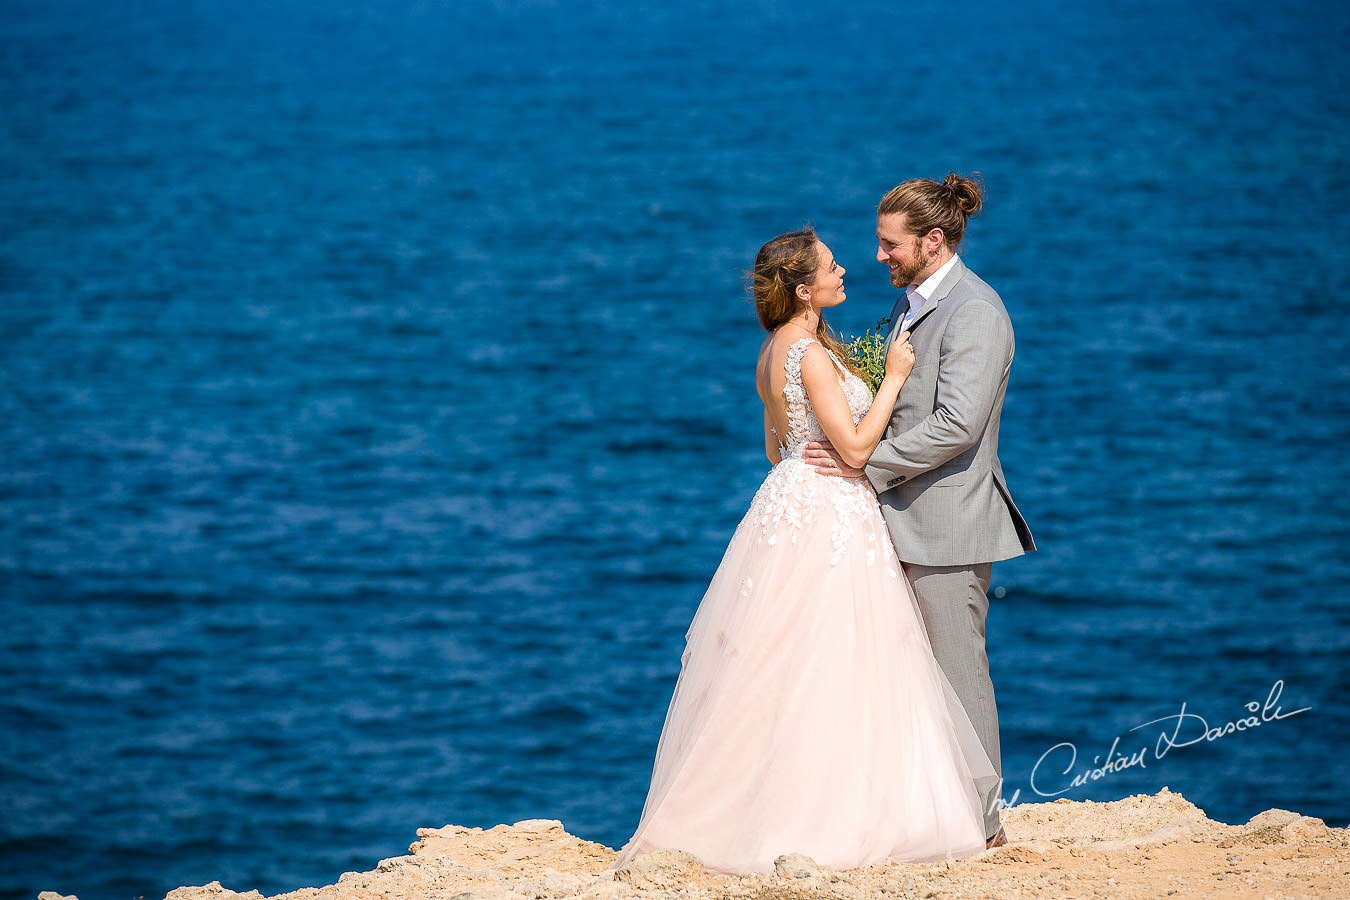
[936, 471]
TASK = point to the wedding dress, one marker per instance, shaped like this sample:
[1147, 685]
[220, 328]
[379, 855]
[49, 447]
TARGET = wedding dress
[809, 714]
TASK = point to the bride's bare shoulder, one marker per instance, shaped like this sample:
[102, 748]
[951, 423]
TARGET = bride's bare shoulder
[773, 347]
[779, 342]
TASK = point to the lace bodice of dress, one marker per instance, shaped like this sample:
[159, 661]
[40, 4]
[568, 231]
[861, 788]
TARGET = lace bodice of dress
[796, 493]
[803, 426]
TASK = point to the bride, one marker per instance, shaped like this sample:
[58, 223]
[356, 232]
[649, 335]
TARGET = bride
[809, 715]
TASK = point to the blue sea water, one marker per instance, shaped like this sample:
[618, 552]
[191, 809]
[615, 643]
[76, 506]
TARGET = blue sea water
[376, 397]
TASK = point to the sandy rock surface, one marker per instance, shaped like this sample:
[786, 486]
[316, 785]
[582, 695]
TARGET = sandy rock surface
[1139, 847]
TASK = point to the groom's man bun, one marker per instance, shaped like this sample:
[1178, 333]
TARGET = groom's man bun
[930, 204]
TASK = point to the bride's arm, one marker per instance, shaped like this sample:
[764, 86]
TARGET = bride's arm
[820, 378]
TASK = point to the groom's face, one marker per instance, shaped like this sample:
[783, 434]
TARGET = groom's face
[902, 252]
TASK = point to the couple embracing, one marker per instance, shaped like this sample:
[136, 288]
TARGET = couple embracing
[834, 696]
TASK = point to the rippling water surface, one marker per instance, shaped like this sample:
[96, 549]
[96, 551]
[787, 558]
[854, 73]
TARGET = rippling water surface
[376, 397]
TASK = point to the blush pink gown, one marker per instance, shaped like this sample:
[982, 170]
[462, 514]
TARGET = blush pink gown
[809, 715]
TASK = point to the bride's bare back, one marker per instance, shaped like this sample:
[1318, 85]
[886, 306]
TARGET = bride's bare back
[771, 380]
[834, 401]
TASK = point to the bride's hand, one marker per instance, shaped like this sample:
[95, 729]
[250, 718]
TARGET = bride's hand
[900, 358]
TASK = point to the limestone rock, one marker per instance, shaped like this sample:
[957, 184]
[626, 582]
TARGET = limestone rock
[1173, 831]
[796, 865]
[662, 870]
[608, 889]
[538, 825]
[1305, 828]
[1136, 847]
[553, 885]
[211, 891]
[53, 895]
[394, 863]
[1280, 817]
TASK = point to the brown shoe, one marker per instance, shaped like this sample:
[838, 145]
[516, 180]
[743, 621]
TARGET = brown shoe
[997, 840]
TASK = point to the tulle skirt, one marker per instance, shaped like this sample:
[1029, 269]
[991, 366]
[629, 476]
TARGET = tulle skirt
[809, 715]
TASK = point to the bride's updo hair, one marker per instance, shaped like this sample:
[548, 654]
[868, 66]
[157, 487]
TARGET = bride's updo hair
[930, 204]
[783, 264]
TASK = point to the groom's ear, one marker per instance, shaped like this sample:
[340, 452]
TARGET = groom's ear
[935, 238]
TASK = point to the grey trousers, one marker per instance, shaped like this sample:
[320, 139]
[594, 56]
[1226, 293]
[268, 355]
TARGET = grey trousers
[954, 602]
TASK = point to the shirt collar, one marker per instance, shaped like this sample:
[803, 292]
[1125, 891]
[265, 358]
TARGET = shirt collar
[930, 284]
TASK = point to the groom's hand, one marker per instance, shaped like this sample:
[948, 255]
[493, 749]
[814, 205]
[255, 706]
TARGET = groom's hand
[821, 455]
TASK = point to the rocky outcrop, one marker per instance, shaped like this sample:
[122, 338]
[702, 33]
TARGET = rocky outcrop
[1138, 847]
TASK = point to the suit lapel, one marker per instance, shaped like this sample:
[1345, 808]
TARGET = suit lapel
[924, 312]
[947, 284]
[894, 328]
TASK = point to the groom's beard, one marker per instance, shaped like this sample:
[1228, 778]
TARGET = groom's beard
[905, 274]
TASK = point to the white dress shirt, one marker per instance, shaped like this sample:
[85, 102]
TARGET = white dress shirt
[918, 296]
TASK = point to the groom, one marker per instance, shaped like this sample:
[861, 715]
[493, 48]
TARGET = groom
[936, 471]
